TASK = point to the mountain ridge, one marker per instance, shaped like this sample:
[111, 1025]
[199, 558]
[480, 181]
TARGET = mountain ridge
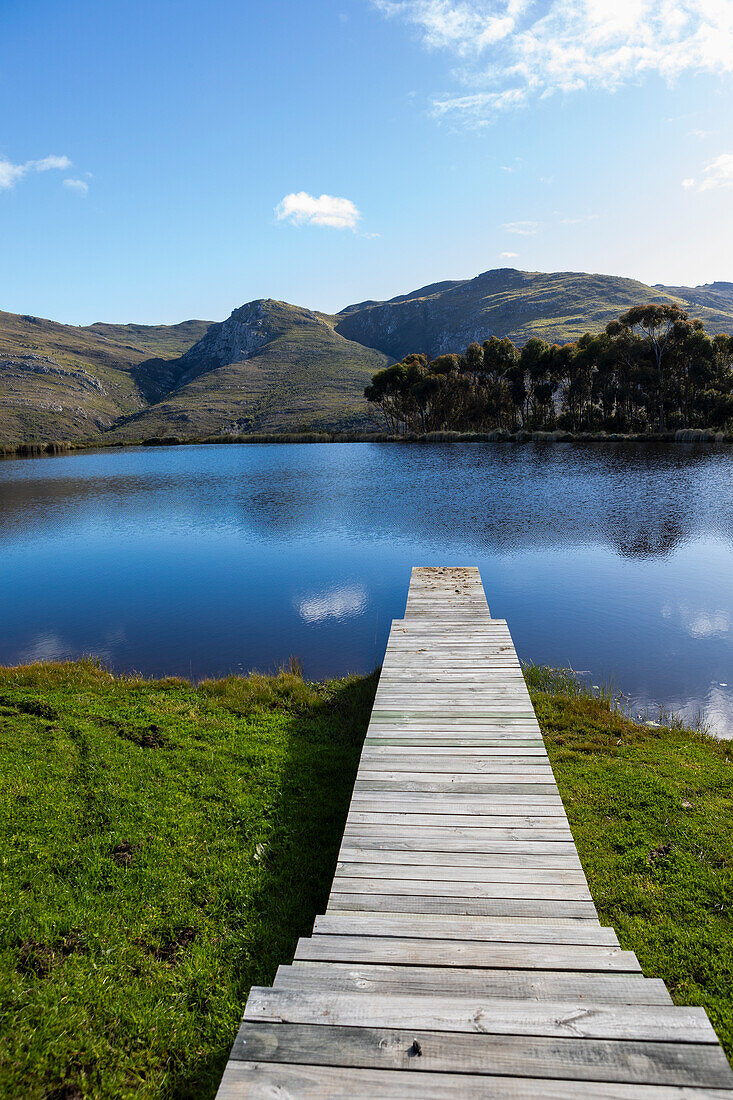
[275, 367]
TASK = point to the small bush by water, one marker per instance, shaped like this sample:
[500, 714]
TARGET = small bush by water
[164, 845]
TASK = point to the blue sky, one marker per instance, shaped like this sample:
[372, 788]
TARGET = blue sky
[169, 159]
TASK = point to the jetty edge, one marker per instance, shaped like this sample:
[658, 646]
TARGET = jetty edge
[461, 953]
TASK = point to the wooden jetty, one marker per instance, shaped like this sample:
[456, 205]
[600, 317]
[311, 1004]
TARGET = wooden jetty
[460, 954]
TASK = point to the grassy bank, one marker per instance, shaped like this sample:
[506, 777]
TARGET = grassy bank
[698, 437]
[651, 811]
[164, 845]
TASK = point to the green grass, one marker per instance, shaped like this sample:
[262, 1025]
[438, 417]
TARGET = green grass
[164, 845]
[163, 848]
[651, 811]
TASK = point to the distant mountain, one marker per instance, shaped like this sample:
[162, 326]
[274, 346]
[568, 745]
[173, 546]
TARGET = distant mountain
[557, 306]
[276, 367]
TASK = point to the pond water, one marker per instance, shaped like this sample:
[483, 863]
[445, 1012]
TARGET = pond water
[200, 561]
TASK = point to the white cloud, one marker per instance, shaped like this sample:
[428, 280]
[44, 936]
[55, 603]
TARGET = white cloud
[11, 173]
[508, 255]
[300, 208]
[581, 220]
[522, 229]
[717, 174]
[47, 163]
[80, 186]
[513, 51]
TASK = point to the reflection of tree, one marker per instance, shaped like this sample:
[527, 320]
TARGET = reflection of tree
[499, 498]
[648, 536]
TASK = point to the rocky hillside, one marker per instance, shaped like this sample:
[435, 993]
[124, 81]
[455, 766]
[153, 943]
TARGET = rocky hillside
[66, 382]
[277, 367]
[269, 367]
[557, 306]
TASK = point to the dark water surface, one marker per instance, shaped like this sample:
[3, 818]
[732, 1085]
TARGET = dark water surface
[205, 560]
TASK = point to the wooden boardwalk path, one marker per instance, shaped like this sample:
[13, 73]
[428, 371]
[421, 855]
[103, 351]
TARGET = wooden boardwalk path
[460, 954]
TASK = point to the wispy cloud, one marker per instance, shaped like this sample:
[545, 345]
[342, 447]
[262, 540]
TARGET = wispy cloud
[80, 186]
[508, 255]
[10, 173]
[716, 174]
[515, 51]
[522, 229]
[581, 219]
[300, 208]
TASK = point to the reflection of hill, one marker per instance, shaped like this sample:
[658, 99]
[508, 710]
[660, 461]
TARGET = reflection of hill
[640, 502]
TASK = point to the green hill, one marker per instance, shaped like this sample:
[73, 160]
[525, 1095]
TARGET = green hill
[269, 367]
[556, 306]
[66, 382]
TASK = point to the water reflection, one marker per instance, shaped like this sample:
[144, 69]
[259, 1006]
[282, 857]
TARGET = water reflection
[203, 560]
[336, 603]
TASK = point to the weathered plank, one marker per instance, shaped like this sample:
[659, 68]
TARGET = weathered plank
[485, 1016]
[465, 907]
[559, 931]
[477, 953]
[540, 985]
[292, 1081]
[449, 873]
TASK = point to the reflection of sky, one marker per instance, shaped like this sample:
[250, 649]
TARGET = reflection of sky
[339, 602]
[205, 560]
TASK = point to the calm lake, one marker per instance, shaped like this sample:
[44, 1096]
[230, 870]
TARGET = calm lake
[200, 561]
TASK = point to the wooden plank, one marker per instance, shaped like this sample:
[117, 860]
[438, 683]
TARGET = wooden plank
[484, 1016]
[465, 928]
[415, 804]
[443, 888]
[454, 784]
[454, 803]
[260, 1080]
[414, 819]
[453, 765]
[470, 953]
[536, 840]
[547, 985]
[450, 873]
[469, 861]
[448, 841]
[500, 754]
[466, 907]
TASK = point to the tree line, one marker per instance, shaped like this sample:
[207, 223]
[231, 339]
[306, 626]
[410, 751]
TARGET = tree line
[653, 370]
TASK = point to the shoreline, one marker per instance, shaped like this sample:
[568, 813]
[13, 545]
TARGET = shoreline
[682, 437]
